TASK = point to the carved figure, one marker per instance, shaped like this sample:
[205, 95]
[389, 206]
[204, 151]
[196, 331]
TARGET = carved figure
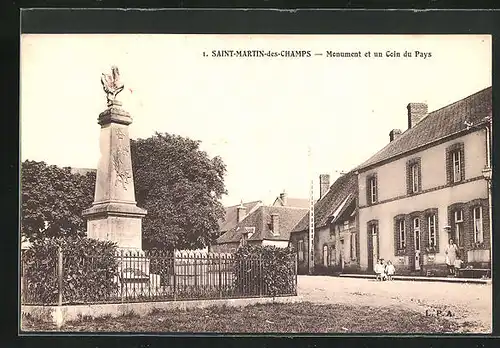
[112, 85]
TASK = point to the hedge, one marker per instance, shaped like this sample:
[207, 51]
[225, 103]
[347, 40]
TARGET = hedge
[265, 270]
[90, 269]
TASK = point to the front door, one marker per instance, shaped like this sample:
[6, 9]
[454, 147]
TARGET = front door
[375, 249]
[417, 250]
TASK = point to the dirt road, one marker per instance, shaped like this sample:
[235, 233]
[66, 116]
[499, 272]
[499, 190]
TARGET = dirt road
[469, 305]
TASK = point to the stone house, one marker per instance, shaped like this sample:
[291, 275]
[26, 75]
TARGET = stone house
[267, 225]
[427, 185]
[336, 239]
[235, 214]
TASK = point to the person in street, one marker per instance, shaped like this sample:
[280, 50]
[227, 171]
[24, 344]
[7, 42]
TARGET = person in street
[378, 270]
[390, 270]
[457, 265]
[451, 253]
[383, 267]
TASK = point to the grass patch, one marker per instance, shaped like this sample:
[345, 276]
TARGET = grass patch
[302, 317]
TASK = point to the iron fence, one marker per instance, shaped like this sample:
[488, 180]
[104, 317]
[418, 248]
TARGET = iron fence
[134, 276]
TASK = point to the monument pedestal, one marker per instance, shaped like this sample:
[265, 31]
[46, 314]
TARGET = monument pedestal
[117, 222]
[114, 215]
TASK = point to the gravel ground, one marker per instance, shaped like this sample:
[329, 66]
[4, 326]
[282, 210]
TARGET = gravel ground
[470, 305]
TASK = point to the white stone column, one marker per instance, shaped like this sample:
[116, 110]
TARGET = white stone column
[114, 214]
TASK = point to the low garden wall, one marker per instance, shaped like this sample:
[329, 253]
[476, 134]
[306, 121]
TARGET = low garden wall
[59, 315]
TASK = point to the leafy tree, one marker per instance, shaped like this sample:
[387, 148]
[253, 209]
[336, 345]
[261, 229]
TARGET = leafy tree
[180, 186]
[52, 200]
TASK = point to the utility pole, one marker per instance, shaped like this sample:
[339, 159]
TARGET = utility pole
[311, 215]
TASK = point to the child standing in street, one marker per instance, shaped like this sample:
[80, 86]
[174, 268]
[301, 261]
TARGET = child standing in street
[457, 265]
[390, 270]
[383, 267]
[378, 270]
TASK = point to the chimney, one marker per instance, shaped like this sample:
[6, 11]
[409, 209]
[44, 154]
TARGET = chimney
[324, 184]
[394, 134]
[416, 112]
[275, 223]
[241, 212]
[283, 197]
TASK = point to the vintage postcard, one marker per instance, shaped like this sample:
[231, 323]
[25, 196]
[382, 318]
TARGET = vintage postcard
[334, 184]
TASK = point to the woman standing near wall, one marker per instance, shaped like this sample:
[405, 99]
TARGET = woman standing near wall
[451, 255]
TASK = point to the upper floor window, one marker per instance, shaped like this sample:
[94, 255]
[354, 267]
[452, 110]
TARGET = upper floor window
[372, 189]
[431, 223]
[457, 165]
[402, 234]
[458, 217]
[455, 168]
[413, 175]
[477, 213]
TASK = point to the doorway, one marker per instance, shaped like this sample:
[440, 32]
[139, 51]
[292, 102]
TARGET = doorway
[375, 248]
[417, 240]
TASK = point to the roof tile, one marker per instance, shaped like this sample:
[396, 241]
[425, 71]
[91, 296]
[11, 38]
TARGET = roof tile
[436, 125]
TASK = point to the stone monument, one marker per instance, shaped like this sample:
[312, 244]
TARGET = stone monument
[114, 215]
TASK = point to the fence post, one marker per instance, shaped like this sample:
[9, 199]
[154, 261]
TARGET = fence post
[195, 273]
[220, 276]
[175, 277]
[260, 275]
[296, 272]
[60, 275]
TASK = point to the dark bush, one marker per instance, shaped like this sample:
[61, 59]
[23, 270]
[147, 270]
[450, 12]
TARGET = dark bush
[264, 270]
[90, 269]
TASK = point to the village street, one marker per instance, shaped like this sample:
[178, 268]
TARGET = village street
[469, 304]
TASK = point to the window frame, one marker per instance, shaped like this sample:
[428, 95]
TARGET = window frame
[300, 249]
[455, 158]
[478, 223]
[414, 177]
[456, 177]
[402, 234]
[373, 189]
[432, 230]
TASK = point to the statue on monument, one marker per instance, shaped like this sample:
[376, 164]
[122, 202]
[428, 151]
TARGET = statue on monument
[112, 85]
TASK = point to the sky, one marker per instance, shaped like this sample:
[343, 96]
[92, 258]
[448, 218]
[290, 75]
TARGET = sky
[261, 115]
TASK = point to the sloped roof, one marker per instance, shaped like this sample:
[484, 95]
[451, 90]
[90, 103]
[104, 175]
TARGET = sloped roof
[344, 186]
[292, 202]
[438, 124]
[231, 217]
[261, 220]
